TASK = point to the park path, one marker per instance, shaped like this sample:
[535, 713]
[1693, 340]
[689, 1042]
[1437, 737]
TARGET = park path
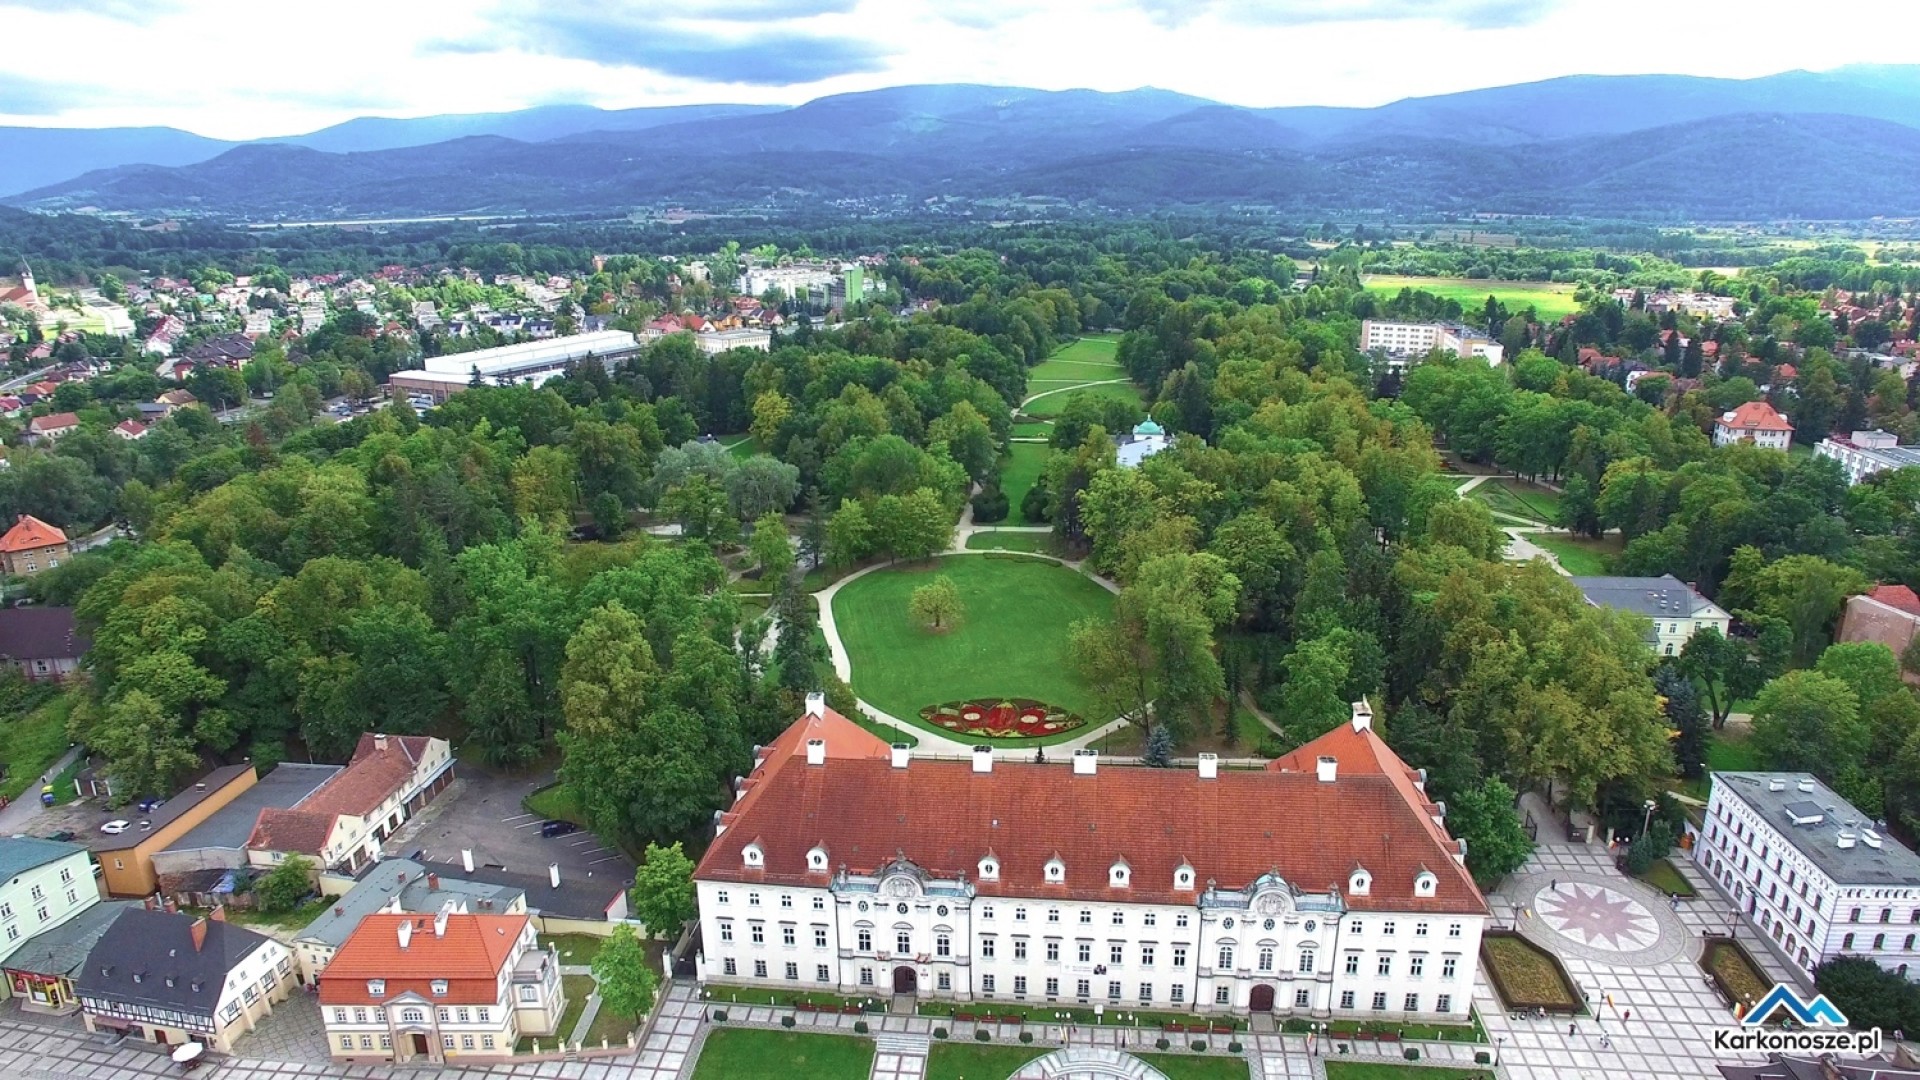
[1031, 398]
[1521, 549]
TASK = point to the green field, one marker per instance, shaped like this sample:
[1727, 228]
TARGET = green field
[1010, 643]
[741, 446]
[1053, 404]
[1550, 299]
[1080, 361]
[31, 743]
[1033, 429]
[1580, 556]
[1038, 542]
[1019, 470]
[1519, 498]
[733, 1053]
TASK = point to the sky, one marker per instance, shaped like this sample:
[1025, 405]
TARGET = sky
[245, 69]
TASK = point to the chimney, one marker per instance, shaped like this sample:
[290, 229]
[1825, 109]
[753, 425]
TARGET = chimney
[466, 859]
[817, 705]
[172, 906]
[433, 882]
[553, 875]
[379, 742]
[983, 759]
[199, 932]
[1362, 715]
[1085, 760]
[148, 902]
[339, 910]
[1325, 768]
[1846, 839]
[1209, 766]
[816, 751]
[902, 753]
[440, 920]
[405, 931]
[1806, 785]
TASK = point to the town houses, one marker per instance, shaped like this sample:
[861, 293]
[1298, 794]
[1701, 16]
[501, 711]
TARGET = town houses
[847, 865]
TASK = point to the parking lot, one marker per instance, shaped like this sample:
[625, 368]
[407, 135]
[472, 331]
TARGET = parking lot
[482, 814]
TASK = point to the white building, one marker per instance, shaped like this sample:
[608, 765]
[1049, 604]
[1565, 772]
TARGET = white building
[170, 978]
[43, 883]
[848, 866]
[1675, 609]
[719, 341]
[1865, 453]
[531, 362]
[1756, 422]
[1147, 439]
[1407, 339]
[1810, 871]
[797, 279]
[345, 820]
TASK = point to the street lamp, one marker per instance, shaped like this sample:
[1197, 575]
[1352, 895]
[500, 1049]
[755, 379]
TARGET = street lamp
[1647, 821]
[1499, 1041]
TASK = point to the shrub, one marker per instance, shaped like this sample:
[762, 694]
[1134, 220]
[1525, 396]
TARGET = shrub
[719, 1016]
[1026, 1036]
[1412, 1053]
[1481, 1057]
[859, 1027]
[1234, 1048]
[786, 1021]
[1033, 506]
[983, 1035]
[989, 506]
[1161, 1044]
[939, 1033]
[1198, 1045]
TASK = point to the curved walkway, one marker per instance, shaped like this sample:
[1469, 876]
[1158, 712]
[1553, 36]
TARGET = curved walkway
[931, 741]
[1087, 1063]
[1031, 398]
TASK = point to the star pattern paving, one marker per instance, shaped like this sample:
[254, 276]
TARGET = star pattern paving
[1598, 916]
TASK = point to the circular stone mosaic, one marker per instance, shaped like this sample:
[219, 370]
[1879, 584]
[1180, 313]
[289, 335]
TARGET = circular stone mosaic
[1597, 916]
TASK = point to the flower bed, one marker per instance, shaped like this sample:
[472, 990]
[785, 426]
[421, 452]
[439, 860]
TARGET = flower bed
[1734, 972]
[1006, 718]
[1527, 976]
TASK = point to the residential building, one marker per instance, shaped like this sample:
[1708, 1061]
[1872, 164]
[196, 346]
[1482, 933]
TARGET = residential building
[45, 429]
[1888, 614]
[1146, 440]
[41, 972]
[1756, 422]
[126, 860]
[718, 341]
[558, 904]
[1408, 339]
[442, 988]
[1811, 871]
[851, 867]
[1675, 609]
[174, 400]
[1864, 453]
[42, 643]
[528, 363]
[395, 886]
[194, 864]
[43, 883]
[130, 430]
[170, 978]
[387, 781]
[796, 279]
[31, 546]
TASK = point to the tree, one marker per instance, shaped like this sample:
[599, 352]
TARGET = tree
[771, 547]
[1805, 721]
[770, 410]
[1728, 668]
[849, 535]
[1681, 703]
[813, 533]
[1484, 817]
[626, 980]
[1159, 751]
[936, 604]
[761, 485]
[912, 527]
[663, 897]
[283, 887]
[1868, 994]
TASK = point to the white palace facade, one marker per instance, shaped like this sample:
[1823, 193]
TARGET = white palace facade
[1323, 886]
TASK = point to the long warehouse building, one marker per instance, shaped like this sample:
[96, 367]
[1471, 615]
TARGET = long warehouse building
[530, 362]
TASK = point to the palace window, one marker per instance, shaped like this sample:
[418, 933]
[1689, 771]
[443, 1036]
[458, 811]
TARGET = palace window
[1415, 966]
[1266, 958]
[1302, 999]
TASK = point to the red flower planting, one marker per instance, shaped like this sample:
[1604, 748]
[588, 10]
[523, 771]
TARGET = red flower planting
[1006, 718]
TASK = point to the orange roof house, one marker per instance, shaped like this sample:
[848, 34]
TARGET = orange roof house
[1756, 422]
[31, 546]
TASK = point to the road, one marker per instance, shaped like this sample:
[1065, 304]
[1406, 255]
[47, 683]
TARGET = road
[16, 817]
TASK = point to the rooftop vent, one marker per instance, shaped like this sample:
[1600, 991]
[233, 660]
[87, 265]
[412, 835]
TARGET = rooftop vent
[1805, 785]
[1776, 784]
[1872, 838]
[1326, 768]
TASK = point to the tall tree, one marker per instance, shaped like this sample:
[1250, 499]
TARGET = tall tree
[624, 979]
[663, 898]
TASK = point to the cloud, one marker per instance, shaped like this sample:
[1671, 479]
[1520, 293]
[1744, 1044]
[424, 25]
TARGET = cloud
[21, 96]
[1466, 14]
[138, 12]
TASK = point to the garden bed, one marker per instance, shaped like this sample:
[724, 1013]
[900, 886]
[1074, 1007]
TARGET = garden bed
[1734, 972]
[1011, 718]
[1527, 976]
[1666, 877]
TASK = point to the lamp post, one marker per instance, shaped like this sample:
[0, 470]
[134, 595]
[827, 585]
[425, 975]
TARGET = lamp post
[1499, 1042]
[1646, 822]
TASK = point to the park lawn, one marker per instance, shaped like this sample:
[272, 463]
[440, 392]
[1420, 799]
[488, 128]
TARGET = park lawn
[1081, 358]
[30, 744]
[732, 1053]
[1020, 469]
[1197, 1066]
[1519, 498]
[574, 948]
[1580, 556]
[742, 446]
[1011, 641]
[1730, 750]
[1663, 876]
[1032, 429]
[609, 1026]
[978, 1061]
[1386, 1070]
[557, 802]
[1550, 299]
[1037, 542]
[1054, 404]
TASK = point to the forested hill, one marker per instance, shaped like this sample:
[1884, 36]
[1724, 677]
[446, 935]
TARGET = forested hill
[1794, 145]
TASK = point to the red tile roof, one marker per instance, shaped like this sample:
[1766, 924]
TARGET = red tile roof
[29, 533]
[1755, 416]
[945, 817]
[1896, 596]
[53, 422]
[372, 776]
[469, 956]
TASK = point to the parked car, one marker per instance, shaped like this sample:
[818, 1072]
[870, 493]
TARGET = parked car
[116, 826]
[558, 828]
[64, 835]
[148, 806]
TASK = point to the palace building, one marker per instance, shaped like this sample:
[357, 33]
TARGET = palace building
[1322, 886]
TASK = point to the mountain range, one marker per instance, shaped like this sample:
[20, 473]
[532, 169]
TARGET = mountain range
[1844, 143]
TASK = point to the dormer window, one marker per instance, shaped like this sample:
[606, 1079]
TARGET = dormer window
[753, 856]
[1056, 870]
[1118, 874]
[376, 988]
[989, 869]
[1424, 883]
[816, 859]
[1358, 882]
[439, 987]
[1183, 877]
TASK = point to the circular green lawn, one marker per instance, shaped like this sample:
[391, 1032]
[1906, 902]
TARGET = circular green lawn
[1010, 643]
